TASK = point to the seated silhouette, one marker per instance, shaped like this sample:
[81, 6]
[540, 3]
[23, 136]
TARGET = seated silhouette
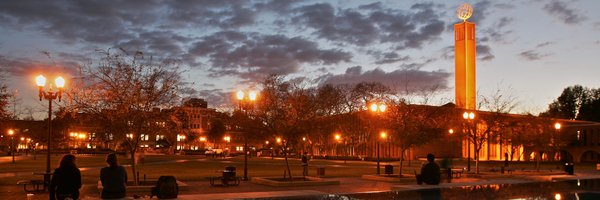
[430, 172]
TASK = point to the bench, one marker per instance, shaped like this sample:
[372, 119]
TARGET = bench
[35, 185]
[457, 172]
[221, 181]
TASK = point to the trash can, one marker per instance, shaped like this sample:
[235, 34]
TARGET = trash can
[389, 169]
[228, 174]
[320, 171]
[569, 168]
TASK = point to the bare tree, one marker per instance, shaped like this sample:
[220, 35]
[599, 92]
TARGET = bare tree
[285, 110]
[126, 91]
[488, 125]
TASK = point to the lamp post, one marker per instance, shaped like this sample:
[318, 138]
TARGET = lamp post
[382, 135]
[244, 103]
[12, 145]
[338, 138]
[378, 108]
[227, 139]
[557, 127]
[49, 95]
[469, 116]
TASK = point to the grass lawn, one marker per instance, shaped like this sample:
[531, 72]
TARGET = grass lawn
[197, 168]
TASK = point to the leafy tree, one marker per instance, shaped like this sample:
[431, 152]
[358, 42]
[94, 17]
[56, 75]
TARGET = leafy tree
[568, 104]
[126, 91]
[217, 127]
[590, 108]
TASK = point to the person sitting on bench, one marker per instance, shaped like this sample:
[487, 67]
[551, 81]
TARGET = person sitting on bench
[430, 172]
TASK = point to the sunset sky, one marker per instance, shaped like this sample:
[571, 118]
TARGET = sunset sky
[535, 47]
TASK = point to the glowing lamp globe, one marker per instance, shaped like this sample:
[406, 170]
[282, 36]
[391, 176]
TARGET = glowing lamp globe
[464, 11]
[40, 81]
[60, 82]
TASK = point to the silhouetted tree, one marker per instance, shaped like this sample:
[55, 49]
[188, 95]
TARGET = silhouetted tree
[286, 110]
[4, 98]
[126, 92]
[568, 104]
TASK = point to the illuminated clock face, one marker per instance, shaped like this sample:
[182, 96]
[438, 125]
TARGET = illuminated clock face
[464, 11]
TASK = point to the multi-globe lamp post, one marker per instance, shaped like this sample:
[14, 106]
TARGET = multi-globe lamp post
[245, 103]
[469, 116]
[49, 95]
[378, 108]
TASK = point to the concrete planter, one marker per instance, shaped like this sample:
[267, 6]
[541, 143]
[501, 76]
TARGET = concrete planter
[146, 187]
[298, 181]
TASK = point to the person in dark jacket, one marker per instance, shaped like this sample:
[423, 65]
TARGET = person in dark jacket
[430, 172]
[66, 180]
[113, 178]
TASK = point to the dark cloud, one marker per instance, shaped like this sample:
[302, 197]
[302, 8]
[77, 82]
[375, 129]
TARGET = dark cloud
[562, 11]
[223, 13]
[216, 98]
[408, 80]
[532, 55]
[164, 43]
[447, 52]
[347, 25]
[391, 57]
[484, 53]
[77, 21]
[373, 24]
[504, 21]
[24, 67]
[254, 55]
[278, 6]
[544, 44]
[371, 6]
[481, 10]
[504, 6]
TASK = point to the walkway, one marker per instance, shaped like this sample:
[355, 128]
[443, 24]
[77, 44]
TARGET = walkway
[202, 190]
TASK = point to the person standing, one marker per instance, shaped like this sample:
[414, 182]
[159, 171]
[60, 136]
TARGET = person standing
[505, 159]
[113, 178]
[305, 164]
[66, 180]
[430, 172]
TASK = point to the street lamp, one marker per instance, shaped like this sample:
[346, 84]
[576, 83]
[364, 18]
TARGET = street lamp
[557, 127]
[382, 135]
[469, 116]
[338, 138]
[49, 95]
[12, 145]
[378, 108]
[245, 103]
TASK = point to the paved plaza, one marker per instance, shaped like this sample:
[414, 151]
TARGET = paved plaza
[201, 189]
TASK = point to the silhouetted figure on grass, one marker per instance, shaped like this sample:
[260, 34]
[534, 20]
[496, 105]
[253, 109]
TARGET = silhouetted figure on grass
[430, 172]
[113, 178]
[66, 180]
[305, 164]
